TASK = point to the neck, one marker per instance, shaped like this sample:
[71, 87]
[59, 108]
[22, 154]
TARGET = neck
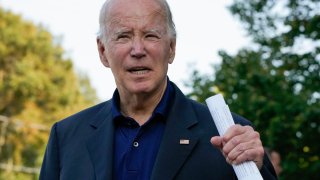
[141, 106]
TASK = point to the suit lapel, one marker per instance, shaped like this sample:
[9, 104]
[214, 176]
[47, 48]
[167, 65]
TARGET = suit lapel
[100, 143]
[172, 154]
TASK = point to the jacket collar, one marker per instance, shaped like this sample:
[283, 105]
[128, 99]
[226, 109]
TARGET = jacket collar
[172, 154]
[100, 143]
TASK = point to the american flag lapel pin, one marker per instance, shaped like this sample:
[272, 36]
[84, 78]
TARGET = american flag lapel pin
[184, 141]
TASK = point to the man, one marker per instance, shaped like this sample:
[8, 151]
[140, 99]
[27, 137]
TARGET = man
[275, 158]
[149, 129]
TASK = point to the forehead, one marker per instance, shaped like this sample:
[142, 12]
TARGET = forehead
[141, 11]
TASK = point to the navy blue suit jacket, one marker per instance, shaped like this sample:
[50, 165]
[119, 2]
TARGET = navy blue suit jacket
[80, 147]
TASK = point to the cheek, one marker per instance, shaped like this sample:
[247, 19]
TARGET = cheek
[160, 52]
[116, 56]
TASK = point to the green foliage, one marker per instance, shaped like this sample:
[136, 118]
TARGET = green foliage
[35, 77]
[276, 82]
[38, 85]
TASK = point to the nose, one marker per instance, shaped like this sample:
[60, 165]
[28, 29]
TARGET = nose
[138, 48]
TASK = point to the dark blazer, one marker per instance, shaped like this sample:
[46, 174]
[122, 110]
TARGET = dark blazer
[81, 146]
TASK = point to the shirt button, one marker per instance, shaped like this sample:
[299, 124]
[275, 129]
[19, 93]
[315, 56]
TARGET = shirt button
[135, 144]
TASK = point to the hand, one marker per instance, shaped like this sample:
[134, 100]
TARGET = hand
[240, 144]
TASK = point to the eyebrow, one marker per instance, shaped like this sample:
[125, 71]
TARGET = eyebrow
[127, 30]
[121, 31]
[154, 31]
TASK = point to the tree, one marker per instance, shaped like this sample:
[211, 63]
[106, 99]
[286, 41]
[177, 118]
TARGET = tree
[275, 82]
[38, 86]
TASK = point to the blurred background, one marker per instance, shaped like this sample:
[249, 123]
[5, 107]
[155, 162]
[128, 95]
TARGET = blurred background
[263, 56]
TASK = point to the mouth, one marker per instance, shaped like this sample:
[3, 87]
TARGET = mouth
[139, 70]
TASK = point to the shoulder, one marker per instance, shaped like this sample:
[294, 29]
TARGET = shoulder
[86, 114]
[82, 119]
[202, 110]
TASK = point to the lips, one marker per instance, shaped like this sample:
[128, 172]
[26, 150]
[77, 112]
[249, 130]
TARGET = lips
[139, 70]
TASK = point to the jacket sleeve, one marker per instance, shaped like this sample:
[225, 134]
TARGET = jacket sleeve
[50, 169]
[267, 171]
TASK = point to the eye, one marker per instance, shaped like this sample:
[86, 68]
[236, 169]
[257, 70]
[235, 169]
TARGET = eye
[152, 36]
[123, 36]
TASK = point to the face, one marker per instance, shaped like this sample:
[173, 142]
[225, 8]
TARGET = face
[276, 162]
[138, 46]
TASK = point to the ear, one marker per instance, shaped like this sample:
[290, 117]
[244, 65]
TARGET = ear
[102, 50]
[172, 50]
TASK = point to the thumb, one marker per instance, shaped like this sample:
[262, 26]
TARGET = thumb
[216, 141]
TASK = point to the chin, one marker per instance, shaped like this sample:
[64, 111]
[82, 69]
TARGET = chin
[147, 86]
[141, 89]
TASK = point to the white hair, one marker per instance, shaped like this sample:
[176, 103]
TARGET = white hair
[103, 19]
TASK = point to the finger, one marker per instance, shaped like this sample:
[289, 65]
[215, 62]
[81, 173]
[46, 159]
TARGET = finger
[255, 155]
[248, 135]
[235, 130]
[217, 142]
[241, 148]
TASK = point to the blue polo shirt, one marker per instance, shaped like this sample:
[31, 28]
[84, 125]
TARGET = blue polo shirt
[136, 147]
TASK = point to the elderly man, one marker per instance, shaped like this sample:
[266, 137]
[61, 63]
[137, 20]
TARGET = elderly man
[149, 129]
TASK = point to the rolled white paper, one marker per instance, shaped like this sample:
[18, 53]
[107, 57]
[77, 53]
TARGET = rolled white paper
[222, 117]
